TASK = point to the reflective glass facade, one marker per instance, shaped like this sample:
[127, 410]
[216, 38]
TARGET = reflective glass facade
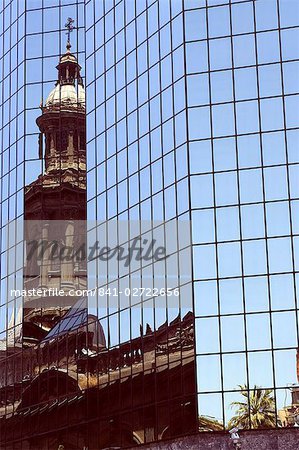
[242, 117]
[192, 110]
[191, 119]
[137, 175]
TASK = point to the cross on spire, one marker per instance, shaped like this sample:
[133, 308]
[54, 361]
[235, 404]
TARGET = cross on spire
[69, 25]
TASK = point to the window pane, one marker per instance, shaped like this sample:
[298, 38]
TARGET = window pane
[231, 296]
[232, 333]
[204, 262]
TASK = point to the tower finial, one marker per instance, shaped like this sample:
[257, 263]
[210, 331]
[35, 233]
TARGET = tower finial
[70, 27]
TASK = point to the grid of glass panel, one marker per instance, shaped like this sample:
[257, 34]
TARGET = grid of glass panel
[137, 172]
[12, 148]
[32, 38]
[242, 81]
[137, 167]
[192, 107]
[12, 168]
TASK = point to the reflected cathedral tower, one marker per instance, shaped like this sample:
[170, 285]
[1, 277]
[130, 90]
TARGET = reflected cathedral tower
[55, 203]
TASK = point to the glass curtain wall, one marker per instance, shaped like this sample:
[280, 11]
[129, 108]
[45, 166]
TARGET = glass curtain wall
[12, 167]
[192, 109]
[32, 39]
[192, 118]
[241, 62]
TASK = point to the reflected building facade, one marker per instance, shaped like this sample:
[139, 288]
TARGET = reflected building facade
[182, 126]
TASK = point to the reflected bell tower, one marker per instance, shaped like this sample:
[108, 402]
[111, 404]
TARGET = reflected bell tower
[55, 204]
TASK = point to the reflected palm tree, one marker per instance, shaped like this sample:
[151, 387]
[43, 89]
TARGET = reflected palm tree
[256, 411]
[207, 423]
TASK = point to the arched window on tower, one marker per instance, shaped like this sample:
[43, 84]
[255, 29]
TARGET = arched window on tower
[62, 141]
[82, 141]
[75, 141]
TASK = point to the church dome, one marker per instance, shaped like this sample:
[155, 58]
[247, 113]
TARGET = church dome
[66, 95]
